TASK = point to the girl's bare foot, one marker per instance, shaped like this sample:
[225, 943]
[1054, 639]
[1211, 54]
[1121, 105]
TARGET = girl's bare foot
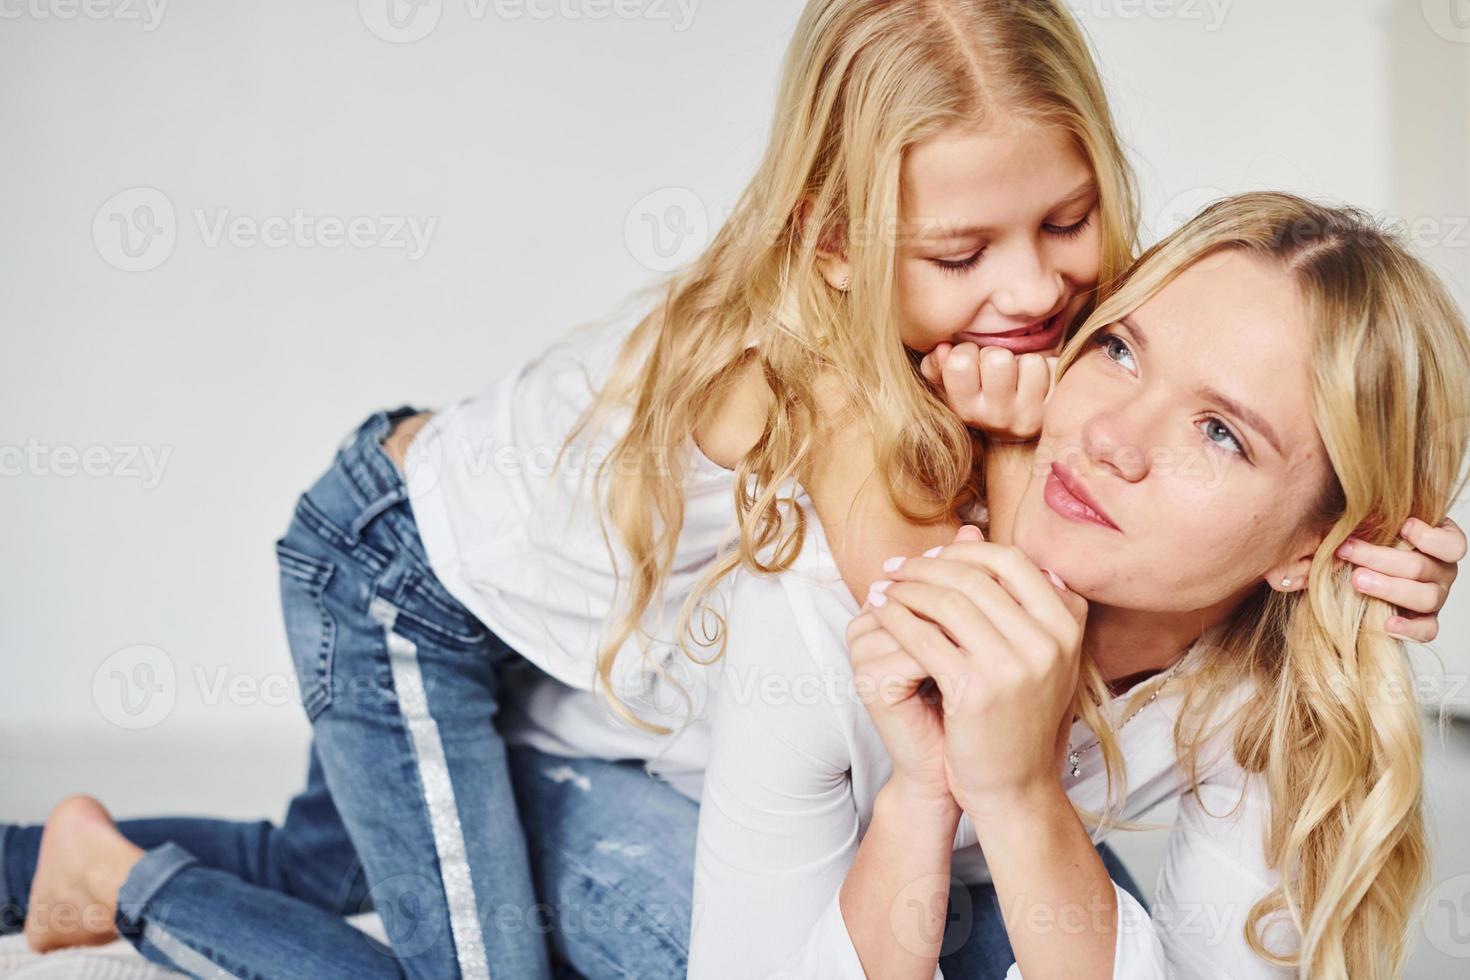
[83, 862]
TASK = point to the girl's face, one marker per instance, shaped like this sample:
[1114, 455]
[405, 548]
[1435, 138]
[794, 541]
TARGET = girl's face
[1000, 243]
[1179, 458]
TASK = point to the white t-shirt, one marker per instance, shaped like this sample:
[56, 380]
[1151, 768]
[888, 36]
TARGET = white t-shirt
[796, 764]
[520, 545]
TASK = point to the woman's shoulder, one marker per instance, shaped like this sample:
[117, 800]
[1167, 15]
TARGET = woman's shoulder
[1206, 726]
[804, 609]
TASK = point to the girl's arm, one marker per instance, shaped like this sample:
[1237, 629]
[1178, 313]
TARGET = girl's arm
[1007, 469]
[862, 526]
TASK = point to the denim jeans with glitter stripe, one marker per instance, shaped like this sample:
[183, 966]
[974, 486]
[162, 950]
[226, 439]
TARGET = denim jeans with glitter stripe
[481, 859]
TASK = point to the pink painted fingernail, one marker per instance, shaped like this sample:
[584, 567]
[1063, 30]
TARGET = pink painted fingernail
[1365, 580]
[934, 551]
[1055, 580]
[879, 586]
[877, 598]
[1345, 550]
[891, 565]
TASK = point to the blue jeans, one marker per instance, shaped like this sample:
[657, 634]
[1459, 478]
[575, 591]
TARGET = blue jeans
[412, 805]
[477, 856]
[268, 900]
[259, 900]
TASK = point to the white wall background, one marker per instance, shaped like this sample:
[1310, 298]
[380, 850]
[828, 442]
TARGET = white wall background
[528, 136]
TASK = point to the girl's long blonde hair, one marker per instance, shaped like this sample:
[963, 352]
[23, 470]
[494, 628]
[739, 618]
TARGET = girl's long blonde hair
[863, 81]
[1332, 723]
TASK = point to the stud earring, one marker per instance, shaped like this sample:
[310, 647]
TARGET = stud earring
[842, 286]
[1286, 583]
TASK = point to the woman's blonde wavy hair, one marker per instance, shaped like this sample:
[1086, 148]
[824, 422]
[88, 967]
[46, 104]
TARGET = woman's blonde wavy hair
[863, 81]
[1332, 721]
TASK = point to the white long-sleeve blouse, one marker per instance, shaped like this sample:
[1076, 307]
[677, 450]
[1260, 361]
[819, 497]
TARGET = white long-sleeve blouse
[795, 765]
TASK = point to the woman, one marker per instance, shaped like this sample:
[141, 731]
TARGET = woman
[1195, 618]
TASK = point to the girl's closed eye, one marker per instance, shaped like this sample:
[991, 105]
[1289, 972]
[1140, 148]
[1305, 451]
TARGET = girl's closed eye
[1069, 231]
[959, 265]
[1073, 230]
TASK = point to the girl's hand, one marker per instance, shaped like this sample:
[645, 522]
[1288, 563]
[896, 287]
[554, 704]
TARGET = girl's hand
[903, 703]
[1002, 641]
[1417, 581]
[992, 389]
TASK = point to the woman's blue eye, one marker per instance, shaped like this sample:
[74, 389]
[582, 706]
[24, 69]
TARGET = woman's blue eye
[1113, 346]
[1215, 431]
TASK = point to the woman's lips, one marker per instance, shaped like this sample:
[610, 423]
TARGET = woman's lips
[1026, 340]
[1069, 498]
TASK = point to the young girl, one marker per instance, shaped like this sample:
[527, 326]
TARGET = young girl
[1328, 370]
[938, 173]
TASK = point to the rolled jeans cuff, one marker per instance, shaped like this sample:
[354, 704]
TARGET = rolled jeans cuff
[153, 870]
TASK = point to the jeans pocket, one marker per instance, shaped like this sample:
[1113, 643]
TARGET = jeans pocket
[439, 616]
[310, 629]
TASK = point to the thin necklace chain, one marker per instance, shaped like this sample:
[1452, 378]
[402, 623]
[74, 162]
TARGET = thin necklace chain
[1074, 755]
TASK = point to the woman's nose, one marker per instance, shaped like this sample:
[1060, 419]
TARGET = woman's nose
[1111, 441]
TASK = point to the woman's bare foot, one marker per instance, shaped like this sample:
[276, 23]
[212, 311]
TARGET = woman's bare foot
[83, 862]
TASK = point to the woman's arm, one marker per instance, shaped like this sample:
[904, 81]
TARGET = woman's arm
[1002, 644]
[996, 639]
[1057, 900]
[895, 901]
[896, 897]
[778, 828]
[1214, 872]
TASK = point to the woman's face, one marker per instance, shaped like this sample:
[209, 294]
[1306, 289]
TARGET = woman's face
[1178, 458]
[1000, 238]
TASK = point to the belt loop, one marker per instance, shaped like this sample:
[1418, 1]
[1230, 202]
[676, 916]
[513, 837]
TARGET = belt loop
[372, 510]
